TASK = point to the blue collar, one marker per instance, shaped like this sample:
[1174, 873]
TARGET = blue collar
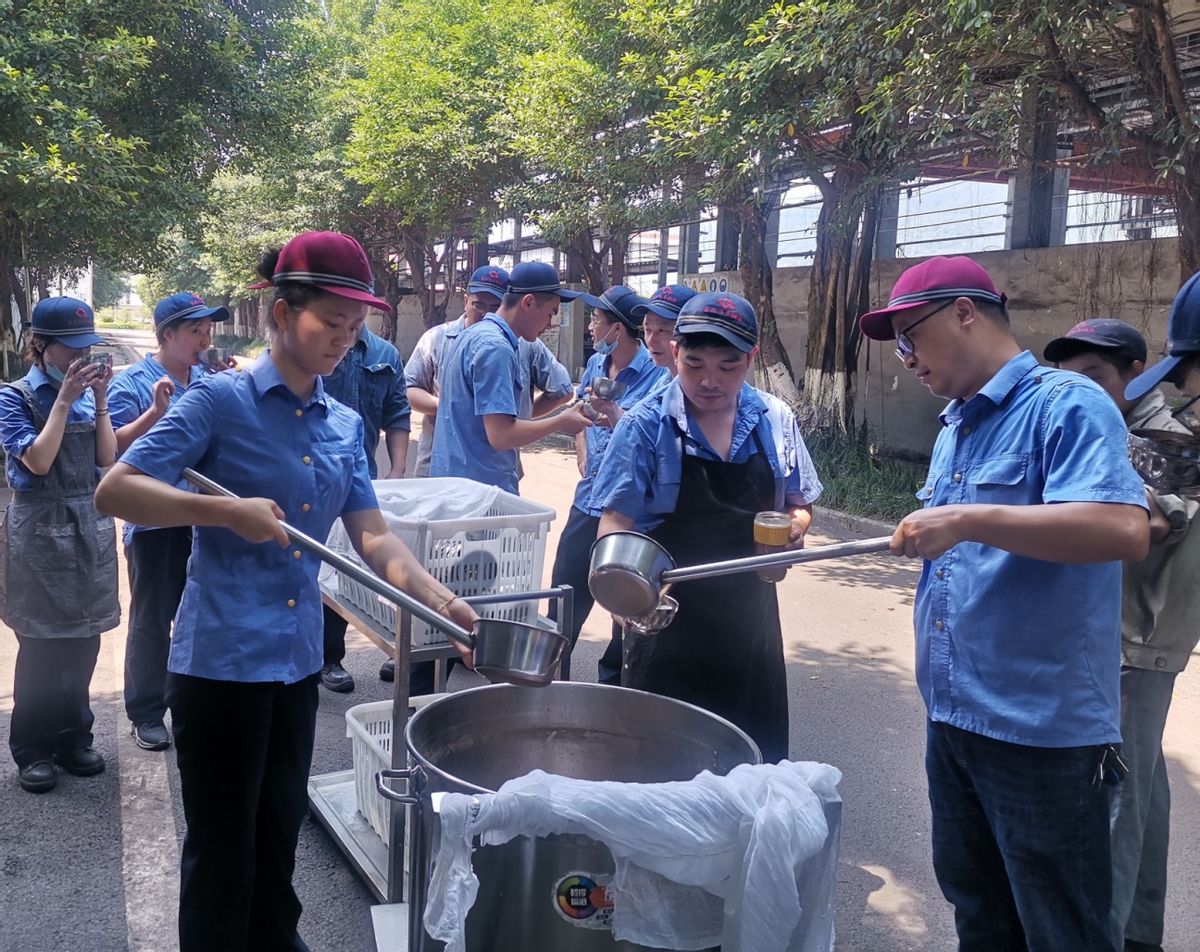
[500, 322]
[38, 378]
[457, 326]
[637, 366]
[998, 388]
[266, 378]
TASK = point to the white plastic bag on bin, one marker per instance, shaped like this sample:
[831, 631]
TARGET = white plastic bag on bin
[743, 837]
[407, 502]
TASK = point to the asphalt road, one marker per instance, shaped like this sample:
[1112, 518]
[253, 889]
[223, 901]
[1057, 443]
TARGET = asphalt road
[93, 865]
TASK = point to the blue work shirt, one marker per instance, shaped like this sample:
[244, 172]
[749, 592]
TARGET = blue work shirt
[252, 613]
[131, 394]
[642, 470]
[1014, 648]
[538, 368]
[481, 377]
[642, 377]
[370, 379]
[17, 429]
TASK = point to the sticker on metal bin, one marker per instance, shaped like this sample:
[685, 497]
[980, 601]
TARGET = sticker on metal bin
[582, 899]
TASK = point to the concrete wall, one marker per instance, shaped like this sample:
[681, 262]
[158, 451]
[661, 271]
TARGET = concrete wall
[1049, 290]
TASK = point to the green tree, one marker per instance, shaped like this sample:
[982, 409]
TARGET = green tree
[114, 115]
[594, 172]
[109, 286]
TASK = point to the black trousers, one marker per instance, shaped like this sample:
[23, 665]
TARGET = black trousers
[571, 563]
[244, 753]
[158, 561]
[334, 636]
[51, 708]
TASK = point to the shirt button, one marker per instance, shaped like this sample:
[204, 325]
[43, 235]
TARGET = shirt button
[306, 460]
[939, 624]
[940, 573]
[296, 553]
[306, 507]
[299, 413]
[1160, 662]
[291, 603]
[958, 477]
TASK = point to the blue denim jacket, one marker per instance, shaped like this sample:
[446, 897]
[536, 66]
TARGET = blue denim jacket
[1015, 648]
[370, 379]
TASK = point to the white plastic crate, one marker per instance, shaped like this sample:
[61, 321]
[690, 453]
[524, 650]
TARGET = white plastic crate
[498, 549]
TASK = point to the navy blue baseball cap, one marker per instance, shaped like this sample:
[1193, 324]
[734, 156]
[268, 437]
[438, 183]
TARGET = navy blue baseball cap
[667, 301]
[729, 316]
[1183, 341]
[625, 305]
[538, 277]
[68, 320]
[186, 306]
[1098, 333]
[488, 279]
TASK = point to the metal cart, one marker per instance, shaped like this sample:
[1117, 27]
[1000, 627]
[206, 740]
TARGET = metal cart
[331, 796]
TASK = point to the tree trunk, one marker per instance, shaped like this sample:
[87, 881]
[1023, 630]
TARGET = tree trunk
[772, 368]
[591, 263]
[1185, 189]
[837, 290]
[618, 252]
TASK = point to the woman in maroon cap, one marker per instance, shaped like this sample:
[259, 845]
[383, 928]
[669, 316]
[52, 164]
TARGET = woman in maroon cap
[58, 571]
[247, 647]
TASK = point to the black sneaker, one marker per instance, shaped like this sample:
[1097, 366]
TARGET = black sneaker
[151, 736]
[38, 777]
[82, 762]
[336, 678]
[387, 672]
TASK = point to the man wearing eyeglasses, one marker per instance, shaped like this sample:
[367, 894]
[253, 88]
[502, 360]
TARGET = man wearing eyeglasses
[1030, 506]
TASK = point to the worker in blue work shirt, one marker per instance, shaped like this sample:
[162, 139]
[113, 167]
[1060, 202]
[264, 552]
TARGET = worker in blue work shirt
[621, 356]
[157, 558]
[247, 650]
[690, 466]
[545, 383]
[369, 379]
[479, 427]
[1030, 507]
[658, 316]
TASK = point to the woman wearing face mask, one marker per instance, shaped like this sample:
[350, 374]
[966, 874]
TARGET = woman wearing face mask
[621, 356]
[157, 558]
[247, 647]
[59, 565]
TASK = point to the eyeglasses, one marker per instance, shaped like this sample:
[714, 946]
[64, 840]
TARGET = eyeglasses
[904, 344]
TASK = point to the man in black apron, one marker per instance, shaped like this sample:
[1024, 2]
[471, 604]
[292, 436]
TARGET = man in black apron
[690, 466]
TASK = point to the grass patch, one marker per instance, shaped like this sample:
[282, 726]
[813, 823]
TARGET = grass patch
[858, 481]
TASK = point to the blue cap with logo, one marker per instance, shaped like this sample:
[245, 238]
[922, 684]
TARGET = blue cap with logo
[68, 320]
[538, 277]
[488, 279]
[729, 316]
[186, 306]
[667, 301]
[1183, 340]
[625, 305]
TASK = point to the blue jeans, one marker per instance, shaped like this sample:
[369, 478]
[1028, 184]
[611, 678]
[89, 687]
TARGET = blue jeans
[1020, 843]
[1141, 809]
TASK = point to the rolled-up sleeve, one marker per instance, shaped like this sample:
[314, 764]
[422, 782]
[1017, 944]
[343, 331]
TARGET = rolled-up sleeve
[803, 486]
[1085, 456]
[17, 431]
[419, 371]
[627, 471]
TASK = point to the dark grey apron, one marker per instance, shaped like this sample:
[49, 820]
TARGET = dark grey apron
[58, 556]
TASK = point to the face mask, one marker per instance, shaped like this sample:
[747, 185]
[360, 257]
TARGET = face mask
[606, 347]
[55, 374]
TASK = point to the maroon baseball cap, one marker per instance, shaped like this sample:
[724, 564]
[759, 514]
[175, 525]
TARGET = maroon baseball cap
[937, 279]
[328, 260]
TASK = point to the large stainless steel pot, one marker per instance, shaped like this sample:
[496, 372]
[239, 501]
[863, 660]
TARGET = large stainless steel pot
[473, 741]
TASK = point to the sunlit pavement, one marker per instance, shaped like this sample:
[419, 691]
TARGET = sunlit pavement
[93, 865]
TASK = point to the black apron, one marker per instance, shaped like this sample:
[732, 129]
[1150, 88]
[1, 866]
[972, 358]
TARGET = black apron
[58, 555]
[724, 649]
